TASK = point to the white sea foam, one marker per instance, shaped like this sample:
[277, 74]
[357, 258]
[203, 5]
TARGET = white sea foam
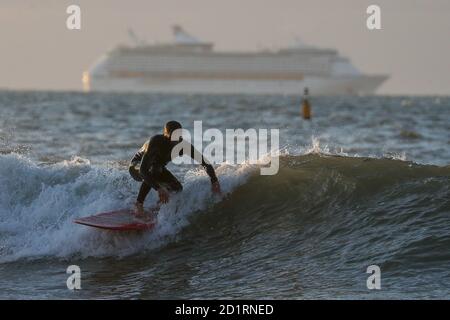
[39, 202]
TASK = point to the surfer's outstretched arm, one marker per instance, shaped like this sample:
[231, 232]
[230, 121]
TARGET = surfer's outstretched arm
[195, 154]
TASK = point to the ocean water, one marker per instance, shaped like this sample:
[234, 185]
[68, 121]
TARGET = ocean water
[366, 182]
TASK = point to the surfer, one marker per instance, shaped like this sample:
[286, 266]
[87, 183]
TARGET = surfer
[149, 167]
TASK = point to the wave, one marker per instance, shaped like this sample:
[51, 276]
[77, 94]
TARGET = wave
[38, 203]
[338, 211]
[378, 206]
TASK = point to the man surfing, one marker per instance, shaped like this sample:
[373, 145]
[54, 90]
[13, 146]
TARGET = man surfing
[152, 159]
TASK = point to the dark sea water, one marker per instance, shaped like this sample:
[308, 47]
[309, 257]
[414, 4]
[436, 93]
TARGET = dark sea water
[366, 182]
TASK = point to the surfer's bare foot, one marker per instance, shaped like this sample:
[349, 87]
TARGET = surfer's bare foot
[139, 209]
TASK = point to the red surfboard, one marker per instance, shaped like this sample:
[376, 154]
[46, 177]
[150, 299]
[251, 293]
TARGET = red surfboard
[121, 220]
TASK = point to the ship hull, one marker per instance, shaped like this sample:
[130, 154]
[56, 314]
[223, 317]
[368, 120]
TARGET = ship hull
[336, 85]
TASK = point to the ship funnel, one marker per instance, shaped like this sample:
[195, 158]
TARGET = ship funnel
[182, 36]
[299, 43]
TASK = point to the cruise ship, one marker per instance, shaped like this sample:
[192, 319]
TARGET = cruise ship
[191, 66]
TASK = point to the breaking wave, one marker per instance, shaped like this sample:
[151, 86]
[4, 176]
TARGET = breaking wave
[387, 209]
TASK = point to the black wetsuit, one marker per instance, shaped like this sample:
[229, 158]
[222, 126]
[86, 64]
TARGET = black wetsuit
[153, 158]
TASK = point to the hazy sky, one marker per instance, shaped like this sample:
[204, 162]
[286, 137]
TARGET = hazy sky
[39, 52]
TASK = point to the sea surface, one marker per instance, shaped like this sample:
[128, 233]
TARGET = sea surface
[365, 182]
